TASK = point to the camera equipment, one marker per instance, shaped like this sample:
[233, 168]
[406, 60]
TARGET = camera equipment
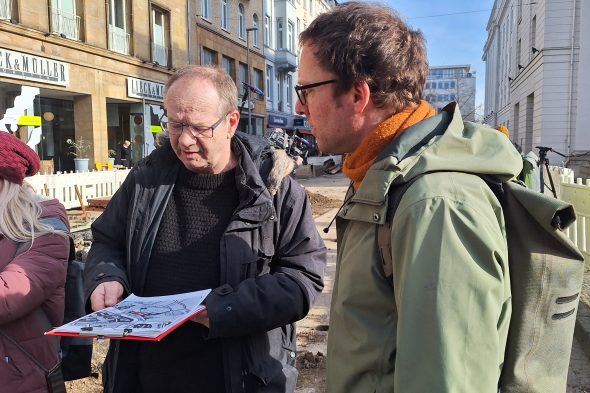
[293, 145]
[544, 165]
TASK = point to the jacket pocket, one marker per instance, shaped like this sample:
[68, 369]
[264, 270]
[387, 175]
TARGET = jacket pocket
[269, 361]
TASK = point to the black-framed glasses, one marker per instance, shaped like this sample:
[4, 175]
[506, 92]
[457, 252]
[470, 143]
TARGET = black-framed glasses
[302, 93]
[175, 128]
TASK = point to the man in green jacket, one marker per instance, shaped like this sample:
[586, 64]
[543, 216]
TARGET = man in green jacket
[440, 322]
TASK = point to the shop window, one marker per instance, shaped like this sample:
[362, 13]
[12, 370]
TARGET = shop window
[118, 28]
[160, 36]
[64, 19]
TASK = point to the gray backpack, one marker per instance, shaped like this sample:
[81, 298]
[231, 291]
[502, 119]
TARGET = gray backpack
[546, 273]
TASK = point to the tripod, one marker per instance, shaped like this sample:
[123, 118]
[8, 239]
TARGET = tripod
[544, 165]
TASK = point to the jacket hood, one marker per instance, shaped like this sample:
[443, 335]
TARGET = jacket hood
[443, 143]
[53, 208]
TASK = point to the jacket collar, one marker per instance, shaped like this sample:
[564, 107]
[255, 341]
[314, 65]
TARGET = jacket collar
[256, 203]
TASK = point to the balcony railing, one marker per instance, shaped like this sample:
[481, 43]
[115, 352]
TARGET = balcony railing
[159, 54]
[5, 9]
[118, 40]
[66, 24]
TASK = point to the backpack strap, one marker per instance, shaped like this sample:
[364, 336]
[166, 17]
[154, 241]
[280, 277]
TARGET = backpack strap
[394, 197]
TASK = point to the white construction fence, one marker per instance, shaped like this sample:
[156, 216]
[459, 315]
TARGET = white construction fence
[93, 184]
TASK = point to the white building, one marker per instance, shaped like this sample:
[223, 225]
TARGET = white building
[283, 21]
[533, 53]
[445, 84]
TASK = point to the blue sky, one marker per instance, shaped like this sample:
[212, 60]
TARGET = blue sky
[451, 39]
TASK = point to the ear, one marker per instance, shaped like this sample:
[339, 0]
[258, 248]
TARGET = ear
[361, 96]
[234, 119]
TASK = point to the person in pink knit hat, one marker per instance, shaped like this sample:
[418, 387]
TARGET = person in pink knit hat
[34, 250]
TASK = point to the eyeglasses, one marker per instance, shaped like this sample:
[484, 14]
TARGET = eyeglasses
[175, 128]
[302, 94]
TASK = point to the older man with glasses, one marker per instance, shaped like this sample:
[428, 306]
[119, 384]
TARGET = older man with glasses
[211, 208]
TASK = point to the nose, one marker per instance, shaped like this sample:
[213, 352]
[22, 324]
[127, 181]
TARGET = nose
[185, 138]
[300, 109]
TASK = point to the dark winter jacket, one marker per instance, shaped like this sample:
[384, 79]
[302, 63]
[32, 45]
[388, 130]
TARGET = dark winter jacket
[34, 279]
[272, 262]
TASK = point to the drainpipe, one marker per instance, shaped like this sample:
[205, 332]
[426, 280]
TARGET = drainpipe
[189, 32]
[571, 83]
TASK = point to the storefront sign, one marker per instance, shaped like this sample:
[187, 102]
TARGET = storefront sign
[139, 88]
[274, 120]
[33, 68]
[301, 122]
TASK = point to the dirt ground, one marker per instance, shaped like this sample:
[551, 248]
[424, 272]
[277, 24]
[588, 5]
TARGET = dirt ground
[311, 362]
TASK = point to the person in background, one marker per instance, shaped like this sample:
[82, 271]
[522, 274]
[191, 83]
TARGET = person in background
[33, 264]
[437, 319]
[211, 208]
[126, 153]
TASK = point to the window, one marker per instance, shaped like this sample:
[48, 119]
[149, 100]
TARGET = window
[452, 84]
[9, 10]
[257, 78]
[206, 9]
[280, 86]
[241, 26]
[64, 19]
[118, 36]
[534, 32]
[289, 90]
[279, 33]
[266, 30]
[255, 33]
[229, 66]
[159, 36]
[290, 37]
[243, 75]
[209, 57]
[224, 15]
[269, 74]
[518, 50]
[298, 28]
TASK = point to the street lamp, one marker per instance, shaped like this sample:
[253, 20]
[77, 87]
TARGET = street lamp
[248, 30]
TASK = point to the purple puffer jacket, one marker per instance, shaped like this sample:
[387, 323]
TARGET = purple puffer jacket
[34, 278]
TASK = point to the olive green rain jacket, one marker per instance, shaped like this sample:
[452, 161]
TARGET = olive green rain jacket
[441, 325]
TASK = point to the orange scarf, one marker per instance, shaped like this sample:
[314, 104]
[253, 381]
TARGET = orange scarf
[358, 163]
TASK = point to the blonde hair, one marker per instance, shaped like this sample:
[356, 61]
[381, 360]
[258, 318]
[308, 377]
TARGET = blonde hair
[20, 210]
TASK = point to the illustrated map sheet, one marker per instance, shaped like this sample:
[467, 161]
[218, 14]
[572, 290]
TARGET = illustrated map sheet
[137, 316]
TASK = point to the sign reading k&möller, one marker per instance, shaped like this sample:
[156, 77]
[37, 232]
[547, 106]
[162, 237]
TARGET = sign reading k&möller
[139, 88]
[33, 68]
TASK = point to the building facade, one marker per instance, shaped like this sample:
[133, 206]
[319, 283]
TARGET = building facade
[283, 21]
[73, 69]
[229, 34]
[533, 55]
[445, 84]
